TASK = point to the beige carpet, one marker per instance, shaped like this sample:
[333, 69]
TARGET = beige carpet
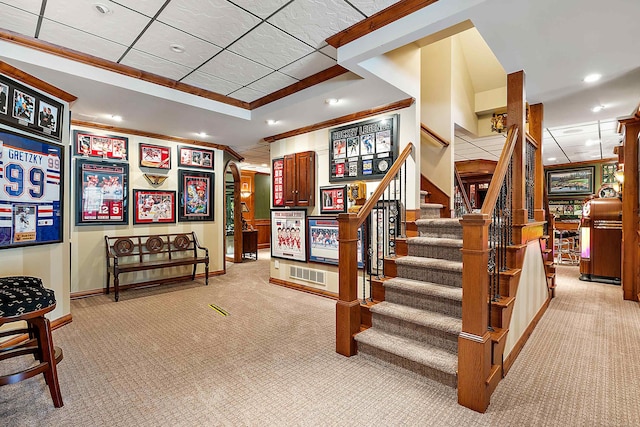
[162, 357]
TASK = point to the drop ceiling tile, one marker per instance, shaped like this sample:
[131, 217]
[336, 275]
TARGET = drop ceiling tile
[159, 37]
[18, 20]
[71, 38]
[217, 21]
[273, 82]
[262, 8]
[247, 94]
[309, 65]
[32, 6]
[330, 51]
[148, 7]
[212, 83]
[369, 7]
[301, 18]
[230, 66]
[270, 46]
[153, 64]
[122, 25]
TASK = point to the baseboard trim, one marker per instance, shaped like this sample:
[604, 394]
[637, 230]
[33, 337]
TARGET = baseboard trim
[55, 324]
[303, 288]
[147, 284]
[509, 361]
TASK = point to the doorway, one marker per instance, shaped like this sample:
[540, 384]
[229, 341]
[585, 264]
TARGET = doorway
[233, 215]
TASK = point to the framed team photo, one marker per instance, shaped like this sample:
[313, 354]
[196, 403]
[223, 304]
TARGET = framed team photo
[101, 192]
[47, 117]
[289, 234]
[31, 179]
[154, 156]
[24, 106]
[195, 200]
[333, 199]
[4, 98]
[109, 147]
[195, 157]
[154, 207]
[323, 241]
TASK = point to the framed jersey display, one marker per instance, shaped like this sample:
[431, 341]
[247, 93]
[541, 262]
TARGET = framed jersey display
[31, 180]
[363, 151]
[154, 206]
[195, 201]
[101, 192]
[289, 234]
[109, 147]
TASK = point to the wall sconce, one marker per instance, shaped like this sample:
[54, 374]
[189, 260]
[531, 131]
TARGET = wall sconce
[245, 194]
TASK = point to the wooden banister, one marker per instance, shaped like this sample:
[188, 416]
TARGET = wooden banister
[434, 135]
[465, 197]
[500, 172]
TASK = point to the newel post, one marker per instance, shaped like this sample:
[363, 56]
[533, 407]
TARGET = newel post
[348, 306]
[474, 342]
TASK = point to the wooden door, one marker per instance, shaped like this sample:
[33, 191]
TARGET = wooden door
[289, 178]
[306, 178]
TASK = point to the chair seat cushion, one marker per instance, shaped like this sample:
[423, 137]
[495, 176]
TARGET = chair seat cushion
[24, 299]
[19, 281]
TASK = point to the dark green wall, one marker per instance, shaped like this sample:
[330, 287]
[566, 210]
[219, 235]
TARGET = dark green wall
[262, 196]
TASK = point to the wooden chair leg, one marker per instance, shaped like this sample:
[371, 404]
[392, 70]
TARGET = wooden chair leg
[48, 356]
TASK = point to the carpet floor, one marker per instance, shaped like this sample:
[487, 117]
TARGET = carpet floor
[163, 357]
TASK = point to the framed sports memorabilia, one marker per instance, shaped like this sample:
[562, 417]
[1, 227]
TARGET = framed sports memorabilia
[323, 241]
[566, 182]
[195, 200]
[289, 234]
[277, 175]
[104, 146]
[101, 192]
[31, 189]
[154, 206]
[154, 156]
[334, 199]
[195, 157]
[29, 110]
[364, 150]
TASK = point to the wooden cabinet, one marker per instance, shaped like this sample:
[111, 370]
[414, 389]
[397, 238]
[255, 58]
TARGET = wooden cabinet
[250, 244]
[300, 179]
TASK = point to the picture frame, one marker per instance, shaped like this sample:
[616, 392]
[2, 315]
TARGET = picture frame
[108, 147]
[27, 109]
[609, 173]
[31, 203]
[154, 207]
[325, 250]
[289, 234]
[196, 196]
[154, 156]
[101, 192]
[277, 182]
[575, 181]
[195, 157]
[333, 199]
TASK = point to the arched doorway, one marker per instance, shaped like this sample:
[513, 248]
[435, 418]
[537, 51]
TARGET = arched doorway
[233, 216]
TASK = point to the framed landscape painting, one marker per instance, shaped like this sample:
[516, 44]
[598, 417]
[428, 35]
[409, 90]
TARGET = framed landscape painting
[577, 181]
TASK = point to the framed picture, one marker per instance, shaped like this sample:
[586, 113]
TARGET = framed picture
[31, 177]
[289, 234]
[609, 173]
[104, 146]
[195, 157]
[323, 241]
[101, 192]
[277, 177]
[29, 110]
[154, 206]
[195, 200]
[154, 156]
[564, 182]
[334, 199]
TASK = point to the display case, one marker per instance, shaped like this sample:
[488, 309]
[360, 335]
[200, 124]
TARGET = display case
[601, 241]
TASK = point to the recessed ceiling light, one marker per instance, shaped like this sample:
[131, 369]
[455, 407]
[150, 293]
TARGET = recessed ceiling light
[595, 156]
[264, 165]
[102, 9]
[598, 108]
[551, 159]
[202, 134]
[572, 130]
[115, 118]
[590, 142]
[332, 101]
[271, 122]
[592, 78]
[177, 48]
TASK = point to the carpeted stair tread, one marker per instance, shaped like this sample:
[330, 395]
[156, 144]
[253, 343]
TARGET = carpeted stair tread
[431, 206]
[435, 241]
[429, 319]
[425, 288]
[433, 263]
[424, 354]
[448, 222]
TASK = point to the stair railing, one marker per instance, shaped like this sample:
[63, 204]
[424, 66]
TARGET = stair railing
[461, 203]
[391, 191]
[431, 133]
[486, 236]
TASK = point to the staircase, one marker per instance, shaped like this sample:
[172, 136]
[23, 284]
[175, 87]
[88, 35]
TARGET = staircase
[418, 324]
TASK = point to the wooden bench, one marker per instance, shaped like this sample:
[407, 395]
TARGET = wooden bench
[126, 254]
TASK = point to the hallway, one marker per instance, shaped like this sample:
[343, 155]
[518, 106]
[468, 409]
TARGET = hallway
[162, 356]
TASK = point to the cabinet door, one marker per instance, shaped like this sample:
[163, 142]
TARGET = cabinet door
[306, 178]
[290, 180]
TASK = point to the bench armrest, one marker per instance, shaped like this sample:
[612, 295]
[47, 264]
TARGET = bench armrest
[197, 245]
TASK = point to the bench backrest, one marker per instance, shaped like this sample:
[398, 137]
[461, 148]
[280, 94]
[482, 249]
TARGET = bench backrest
[167, 245]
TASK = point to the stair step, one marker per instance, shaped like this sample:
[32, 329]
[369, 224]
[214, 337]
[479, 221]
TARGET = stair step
[424, 295]
[434, 270]
[433, 247]
[430, 210]
[449, 228]
[436, 329]
[431, 362]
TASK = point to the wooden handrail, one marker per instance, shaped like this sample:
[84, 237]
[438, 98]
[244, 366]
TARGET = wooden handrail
[434, 135]
[500, 172]
[465, 198]
[366, 209]
[532, 140]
